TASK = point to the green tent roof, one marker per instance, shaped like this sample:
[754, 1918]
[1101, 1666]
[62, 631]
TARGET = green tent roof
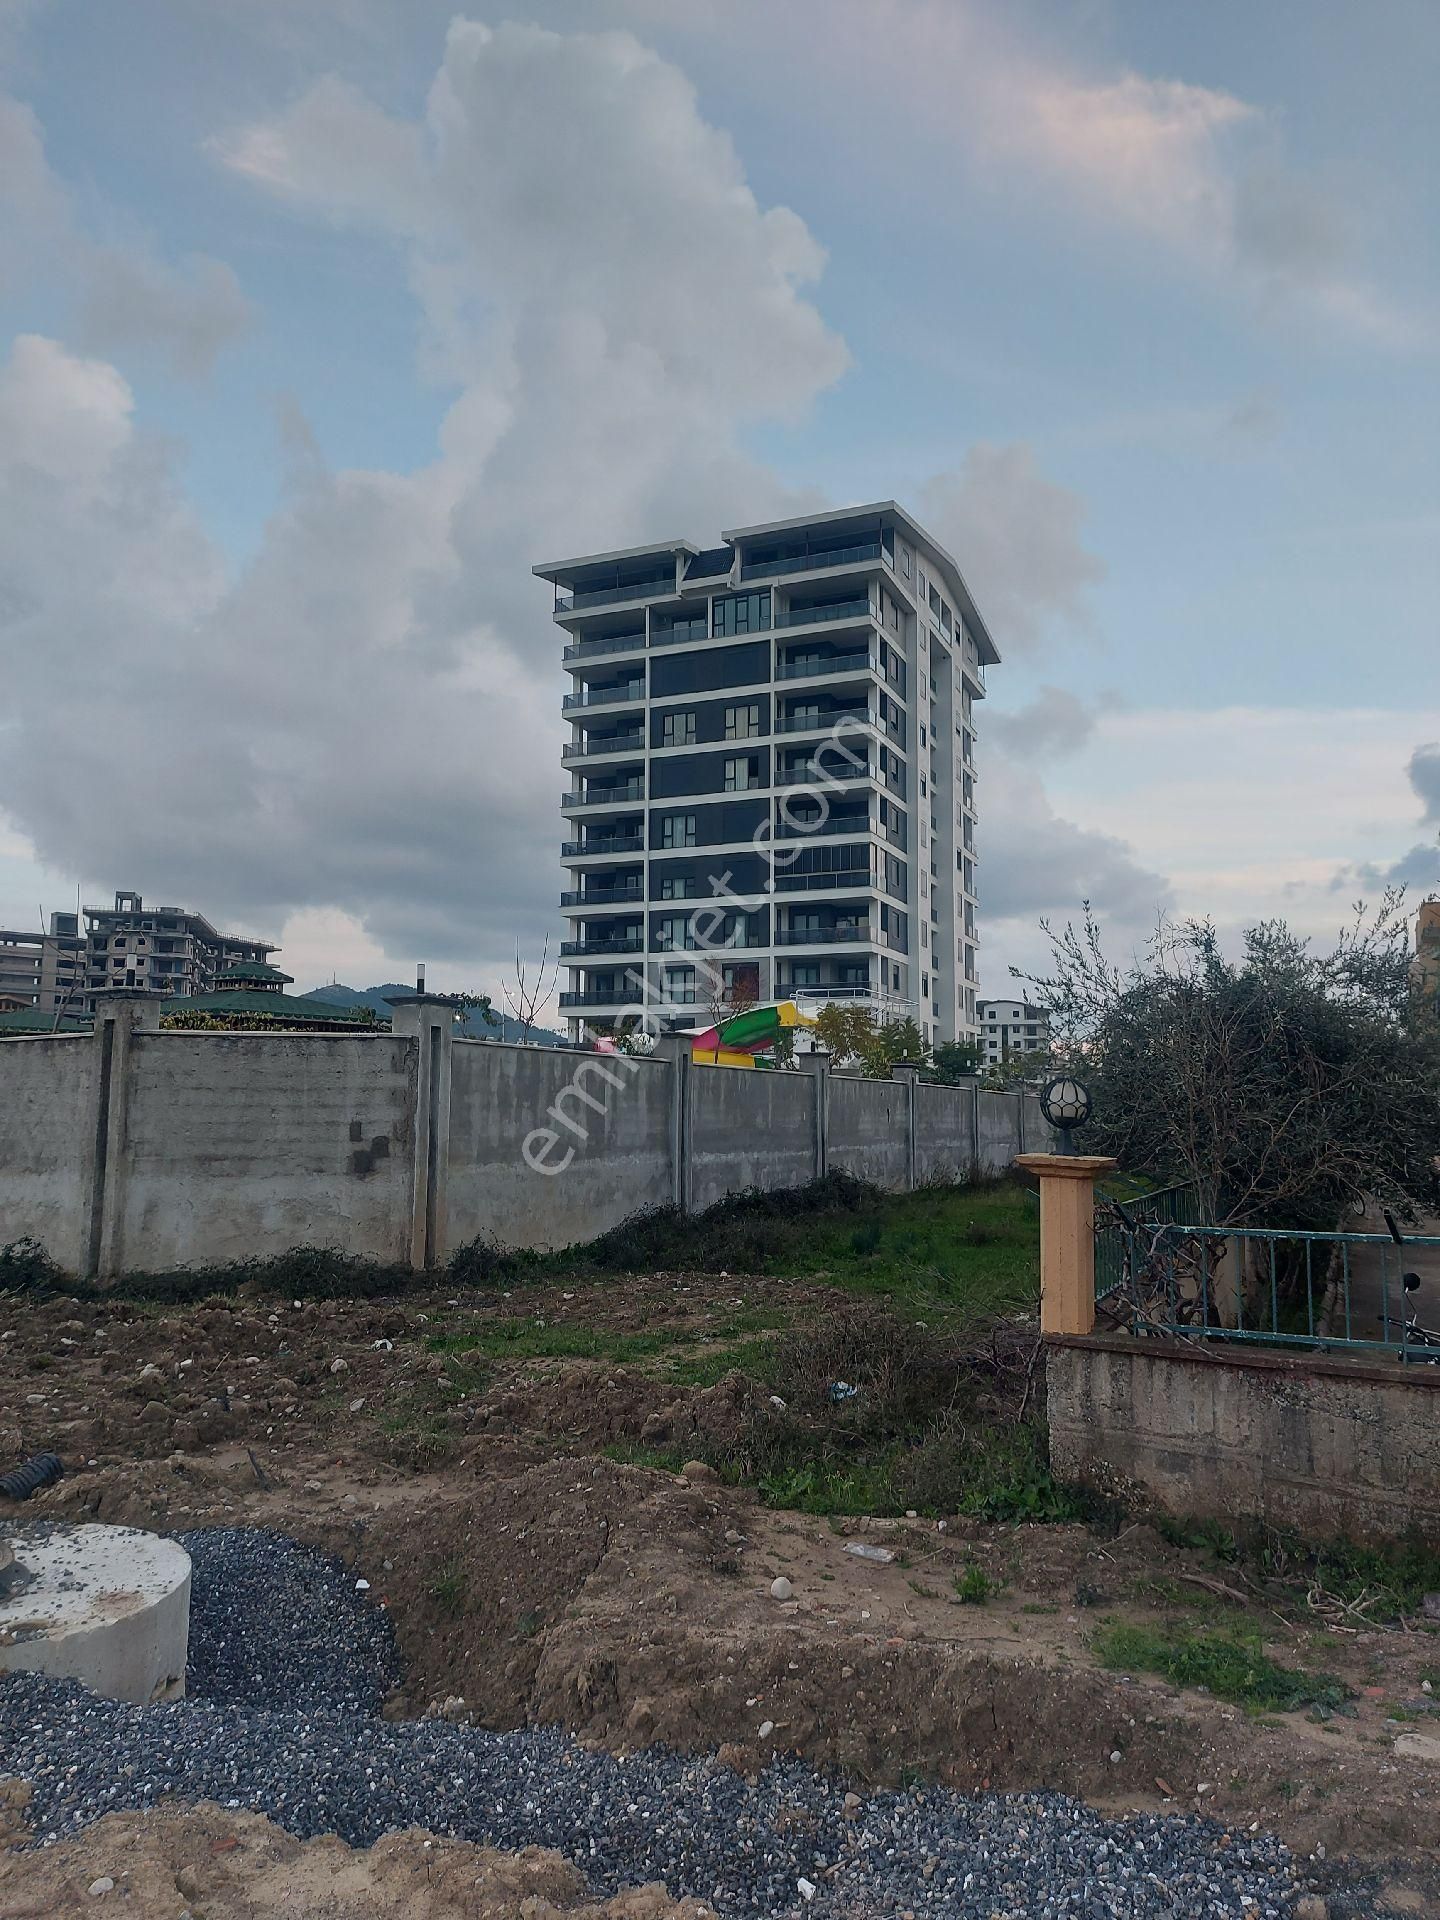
[284, 1007]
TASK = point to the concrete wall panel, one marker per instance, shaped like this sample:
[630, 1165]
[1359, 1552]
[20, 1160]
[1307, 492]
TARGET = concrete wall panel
[241, 1144]
[749, 1129]
[47, 1129]
[609, 1125]
[944, 1132]
[1000, 1131]
[869, 1130]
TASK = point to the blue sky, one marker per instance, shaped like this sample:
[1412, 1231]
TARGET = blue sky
[318, 326]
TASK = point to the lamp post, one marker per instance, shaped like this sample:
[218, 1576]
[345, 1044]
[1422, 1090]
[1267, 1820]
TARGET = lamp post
[1067, 1211]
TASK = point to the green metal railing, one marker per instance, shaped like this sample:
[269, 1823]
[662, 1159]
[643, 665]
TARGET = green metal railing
[1255, 1285]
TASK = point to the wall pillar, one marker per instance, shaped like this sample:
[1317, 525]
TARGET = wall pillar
[907, 1072]
[1067, 1237]
[429, 1020]
[120, 1013]
[678, 1049]
[817, 1062]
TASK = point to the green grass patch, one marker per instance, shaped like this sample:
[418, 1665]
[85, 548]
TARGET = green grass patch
[1231, 1666]
[516, 1339]
[974, 1587]
[752, 1357]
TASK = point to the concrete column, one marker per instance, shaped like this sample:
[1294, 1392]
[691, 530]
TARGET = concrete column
[120, 1013]
[678, 1049]
[908, 1074]
[1067, 1237]
[817, 1062]
[429, 1020]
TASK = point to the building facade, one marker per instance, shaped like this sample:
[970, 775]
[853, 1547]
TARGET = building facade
[1010, 1029]
[165, 950]
[44, 970]
[772, 772]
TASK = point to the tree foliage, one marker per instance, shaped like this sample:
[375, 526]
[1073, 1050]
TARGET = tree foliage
[1288, 1084]
[855, 1038]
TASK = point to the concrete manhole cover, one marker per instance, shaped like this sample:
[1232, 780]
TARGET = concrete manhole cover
[108, 1606]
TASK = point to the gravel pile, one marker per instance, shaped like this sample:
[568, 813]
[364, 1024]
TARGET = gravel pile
[289, 1665]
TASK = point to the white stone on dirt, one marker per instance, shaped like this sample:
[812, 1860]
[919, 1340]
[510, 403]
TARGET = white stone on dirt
[339, 1366]
[98, 1889]
[1418, 1746]
[862, 1550]
[780, 1588]
[767, 1727]
[1116, 1757]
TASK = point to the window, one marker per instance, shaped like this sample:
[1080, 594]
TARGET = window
[743, 774]
[677, 730]
[741, 613]
[677, 830]
[684, 888]
[742, 723]
[805, 974]
[670, 932]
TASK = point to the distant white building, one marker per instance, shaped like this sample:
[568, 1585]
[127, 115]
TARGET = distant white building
[1010, 1029]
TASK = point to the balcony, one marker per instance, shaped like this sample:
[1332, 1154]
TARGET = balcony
[852, 880]
[836, 936]
[631, 997]
[633, 695]
[829, 668]
[587, 849]
[601, 743]
[598, 649]
[593, 796]
[681, 634]
[810, 562]
[808, 775]
[573, 949]
[834, 610]
[603, 896]
[616, 595]
[826, 826]
[826, 720]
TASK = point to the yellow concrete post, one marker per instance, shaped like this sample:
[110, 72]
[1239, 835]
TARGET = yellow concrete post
[1067, 1237]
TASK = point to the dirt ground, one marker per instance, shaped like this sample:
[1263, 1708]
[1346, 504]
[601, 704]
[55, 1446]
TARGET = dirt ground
[535, 1576]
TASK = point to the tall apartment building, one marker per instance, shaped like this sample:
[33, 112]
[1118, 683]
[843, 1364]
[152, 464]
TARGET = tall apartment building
[1010, 1028]
[44, 970]
[163, 949]
[772, 762]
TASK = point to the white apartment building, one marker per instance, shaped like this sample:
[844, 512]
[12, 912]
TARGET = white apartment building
[1010, 1028]
[772, 771]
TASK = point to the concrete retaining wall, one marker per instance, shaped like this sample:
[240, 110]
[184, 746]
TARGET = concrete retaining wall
[1320, 1445]
[138, 1149]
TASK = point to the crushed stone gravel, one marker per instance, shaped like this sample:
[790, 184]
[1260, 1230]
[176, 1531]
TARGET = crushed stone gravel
[289, 1664]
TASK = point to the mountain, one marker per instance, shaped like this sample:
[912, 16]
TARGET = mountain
[472, 1026]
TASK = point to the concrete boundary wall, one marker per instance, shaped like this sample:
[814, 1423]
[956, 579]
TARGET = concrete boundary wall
[1324, 1446]
[132, 1148]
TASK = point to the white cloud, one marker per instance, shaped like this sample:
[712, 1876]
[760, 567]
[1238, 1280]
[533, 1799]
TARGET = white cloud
[131, 302]
[366, 720]
[1017, 537]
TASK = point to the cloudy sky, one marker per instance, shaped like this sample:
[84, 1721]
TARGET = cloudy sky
[321, 320]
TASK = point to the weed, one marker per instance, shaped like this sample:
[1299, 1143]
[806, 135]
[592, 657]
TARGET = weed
[974, 1587]
[1232, 1667]
[449, 1590]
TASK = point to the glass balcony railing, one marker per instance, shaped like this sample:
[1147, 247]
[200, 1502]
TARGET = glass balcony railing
[824, 720]
[597, 649]
[606, 596]
[681, 634]
[632, 695]
[603, 896]
[587, 849]
[602, 743]
[593, 796]
[837, 936]
[575, 949]
[818, 616]
[813, 669]
[824, 775]
[809, 562]
[848, 882]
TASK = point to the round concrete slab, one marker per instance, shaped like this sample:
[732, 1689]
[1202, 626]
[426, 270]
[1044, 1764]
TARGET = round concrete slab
[108, 1606]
